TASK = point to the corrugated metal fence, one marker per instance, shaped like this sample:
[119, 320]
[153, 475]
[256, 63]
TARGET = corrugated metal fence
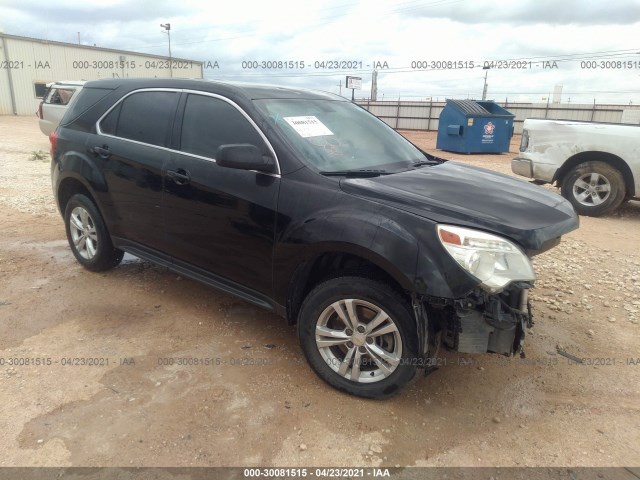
[411, 115]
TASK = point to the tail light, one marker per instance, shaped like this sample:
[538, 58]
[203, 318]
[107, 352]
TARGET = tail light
[53, 138]
[40, 111]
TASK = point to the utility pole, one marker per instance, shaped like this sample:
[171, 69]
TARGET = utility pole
[374, 85]
[167, 29]
[484, 90]
[340, 86]
[78, 38]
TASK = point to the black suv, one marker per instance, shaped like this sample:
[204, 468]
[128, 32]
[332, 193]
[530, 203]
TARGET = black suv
[305, 204]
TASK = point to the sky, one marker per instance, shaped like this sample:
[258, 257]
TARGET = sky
[589, 48]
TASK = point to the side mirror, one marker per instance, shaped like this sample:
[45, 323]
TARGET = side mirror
[244, 156]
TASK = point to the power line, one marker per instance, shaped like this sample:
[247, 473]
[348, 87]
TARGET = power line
[606, 54]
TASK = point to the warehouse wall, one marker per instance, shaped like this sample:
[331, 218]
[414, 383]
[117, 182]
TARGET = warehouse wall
[408, 115]
[28, 61]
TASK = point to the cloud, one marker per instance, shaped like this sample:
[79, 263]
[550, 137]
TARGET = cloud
[75, 13]
[398, 33]
[551, 12]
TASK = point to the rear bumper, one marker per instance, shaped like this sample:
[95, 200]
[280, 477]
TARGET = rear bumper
[532, 165]
[522, 166]
[55, 182]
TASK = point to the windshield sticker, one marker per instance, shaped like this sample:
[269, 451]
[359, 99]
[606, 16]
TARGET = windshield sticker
[308, 126]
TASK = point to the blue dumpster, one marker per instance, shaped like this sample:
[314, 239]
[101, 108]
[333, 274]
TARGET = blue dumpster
[474, 126]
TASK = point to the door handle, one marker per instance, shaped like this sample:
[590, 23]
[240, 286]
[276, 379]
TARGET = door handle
[180, 176]
[102, 152]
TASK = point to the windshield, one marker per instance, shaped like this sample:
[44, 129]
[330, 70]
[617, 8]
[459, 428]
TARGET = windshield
[336, 136]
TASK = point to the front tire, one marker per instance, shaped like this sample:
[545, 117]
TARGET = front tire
[359, 336]
[88, 236]
[594, 188]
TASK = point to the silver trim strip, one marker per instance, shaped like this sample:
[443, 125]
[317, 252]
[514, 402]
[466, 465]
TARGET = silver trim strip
[194, 92]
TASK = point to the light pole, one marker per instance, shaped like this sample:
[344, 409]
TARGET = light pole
[167, 29]
[484, 90]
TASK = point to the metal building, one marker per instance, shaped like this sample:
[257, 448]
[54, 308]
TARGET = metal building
[28, 64]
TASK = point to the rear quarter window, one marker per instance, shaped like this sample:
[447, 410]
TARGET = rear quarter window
[86, 98]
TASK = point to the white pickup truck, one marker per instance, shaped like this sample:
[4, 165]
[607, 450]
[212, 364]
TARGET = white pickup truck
[53, 106]
[596, 165]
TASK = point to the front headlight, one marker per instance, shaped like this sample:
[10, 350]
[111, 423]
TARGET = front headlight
[493, 260]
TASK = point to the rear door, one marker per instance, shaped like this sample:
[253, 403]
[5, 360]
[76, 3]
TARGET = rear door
[131, 147]
[219, 219]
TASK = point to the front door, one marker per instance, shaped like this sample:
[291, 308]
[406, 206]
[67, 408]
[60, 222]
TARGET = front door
[219, 219]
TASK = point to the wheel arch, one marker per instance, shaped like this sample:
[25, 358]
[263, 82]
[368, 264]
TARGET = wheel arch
[598, 156]
[77, 170]
[328, 264]
[68, 187]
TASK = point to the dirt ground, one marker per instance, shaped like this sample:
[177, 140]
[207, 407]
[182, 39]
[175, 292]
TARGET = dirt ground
[257, 403]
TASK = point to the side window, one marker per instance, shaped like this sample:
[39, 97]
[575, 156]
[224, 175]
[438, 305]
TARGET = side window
[210, 122]
[145, 117]
[60, 96]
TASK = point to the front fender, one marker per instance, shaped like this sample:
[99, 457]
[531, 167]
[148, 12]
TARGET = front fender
[325, 219]
[362, 231]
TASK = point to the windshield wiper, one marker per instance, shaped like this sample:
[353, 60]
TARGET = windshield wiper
[421, 163]
[357, 173]
[428, 160]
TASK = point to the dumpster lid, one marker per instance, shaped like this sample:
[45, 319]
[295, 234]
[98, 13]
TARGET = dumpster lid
[469, 107]
[483, 108]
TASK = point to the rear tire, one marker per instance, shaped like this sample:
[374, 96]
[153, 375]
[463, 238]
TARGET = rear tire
[88, 236]
[594, 188]
[359, 336]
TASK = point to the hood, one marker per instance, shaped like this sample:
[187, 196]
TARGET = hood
[460, 194]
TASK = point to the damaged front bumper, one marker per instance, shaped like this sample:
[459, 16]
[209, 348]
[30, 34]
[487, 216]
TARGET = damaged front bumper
[478, 323]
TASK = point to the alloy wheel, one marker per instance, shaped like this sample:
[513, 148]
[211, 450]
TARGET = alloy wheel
[83, 233]
[358, 340]
[591, 189]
